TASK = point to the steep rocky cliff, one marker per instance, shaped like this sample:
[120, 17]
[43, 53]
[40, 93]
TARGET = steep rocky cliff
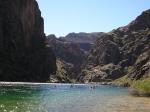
[71, 50]
[124, 51]
[69, 53]
[23, 53]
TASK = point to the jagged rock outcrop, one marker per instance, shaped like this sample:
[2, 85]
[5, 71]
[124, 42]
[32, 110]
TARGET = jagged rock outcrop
[23, 54]
[141, 22]
[126, 47]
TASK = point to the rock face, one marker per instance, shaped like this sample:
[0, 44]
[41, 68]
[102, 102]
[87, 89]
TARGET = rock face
[73, 50]
[104, 73]
[23, 54]
[124, 47]
[141, 66]
[64, 72]
[68, 53]
[141, 22]
[104, 51]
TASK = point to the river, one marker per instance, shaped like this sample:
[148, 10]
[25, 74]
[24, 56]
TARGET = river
[69, 98]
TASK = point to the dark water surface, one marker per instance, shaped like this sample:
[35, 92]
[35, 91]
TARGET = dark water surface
[68, 98]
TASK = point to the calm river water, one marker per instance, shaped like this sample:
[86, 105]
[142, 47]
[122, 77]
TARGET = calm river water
[68, 98]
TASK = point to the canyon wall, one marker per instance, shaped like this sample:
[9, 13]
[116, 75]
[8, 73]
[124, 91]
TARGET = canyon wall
[122, 52]
[24, 55]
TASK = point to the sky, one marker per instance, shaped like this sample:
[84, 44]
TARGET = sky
[65, 16]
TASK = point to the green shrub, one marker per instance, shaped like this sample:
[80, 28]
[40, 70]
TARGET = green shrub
[123, 81]
[142, 86]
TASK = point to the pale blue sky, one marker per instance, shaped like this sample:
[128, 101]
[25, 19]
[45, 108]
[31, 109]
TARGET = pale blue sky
[64, 16]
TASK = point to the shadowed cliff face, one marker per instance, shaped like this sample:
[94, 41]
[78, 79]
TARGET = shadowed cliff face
[71, 53]
[67, 53]
[23, 54]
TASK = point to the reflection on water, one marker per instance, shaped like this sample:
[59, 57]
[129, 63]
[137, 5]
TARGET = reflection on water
[67, 98]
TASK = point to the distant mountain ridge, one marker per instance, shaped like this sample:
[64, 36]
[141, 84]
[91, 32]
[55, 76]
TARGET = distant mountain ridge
[83, 37]
[84, 40]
